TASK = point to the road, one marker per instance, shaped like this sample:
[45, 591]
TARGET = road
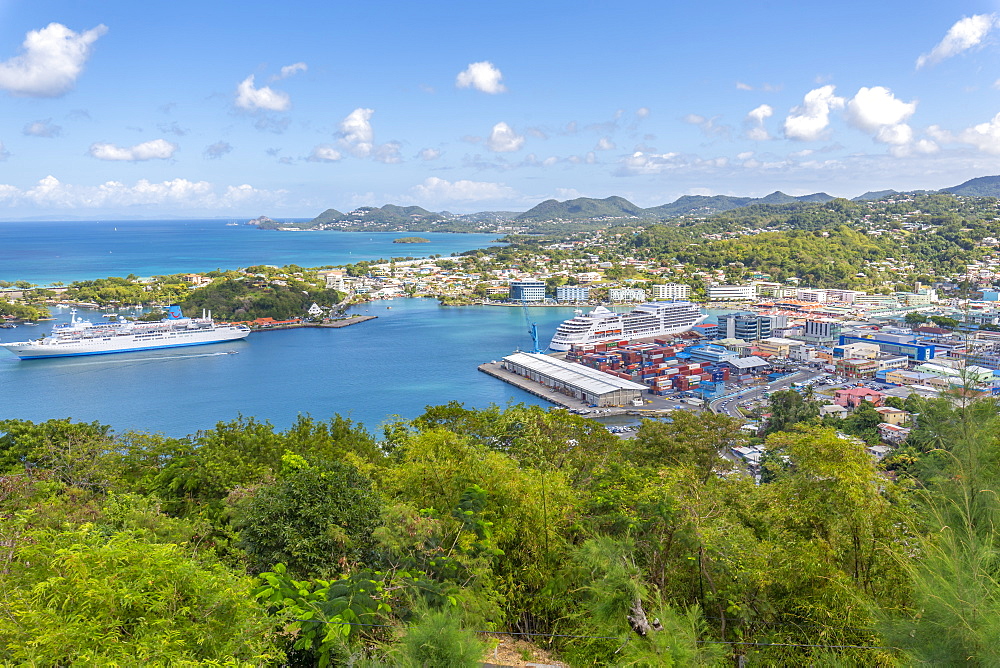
[727, 403]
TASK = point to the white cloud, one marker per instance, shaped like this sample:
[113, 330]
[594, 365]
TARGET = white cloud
[157, 149]
[217, 150]
[984, 136]
[745, 155]
[605, 144]
[50, 62]
[437, 190]
[43, 128]
[642, 112]
[648, 163]
[874, 108]
[253, 99]
[754, 122]
[324, 153]
[742, 86]
[50, 193]
[388, 153]
[356, 134]
[429, 154]
[808, 122]
[482, 76]
[965, 34]
[503, 139]
[293, 69]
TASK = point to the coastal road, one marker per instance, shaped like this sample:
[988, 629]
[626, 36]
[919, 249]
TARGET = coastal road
[728, 403]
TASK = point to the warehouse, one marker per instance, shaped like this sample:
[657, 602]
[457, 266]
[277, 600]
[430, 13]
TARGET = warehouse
[590, 385]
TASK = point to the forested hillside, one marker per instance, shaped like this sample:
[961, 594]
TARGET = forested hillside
[328, 545]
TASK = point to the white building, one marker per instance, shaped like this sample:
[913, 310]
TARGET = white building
[729, 293]
[627, 295]
[670, 292]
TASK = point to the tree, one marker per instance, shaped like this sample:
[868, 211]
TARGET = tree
[316, 518]
[789, 408]
[82, 597]
[696, 440]
[915, 318]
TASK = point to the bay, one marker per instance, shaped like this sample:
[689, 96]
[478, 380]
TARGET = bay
[416, 353]
[46, 252]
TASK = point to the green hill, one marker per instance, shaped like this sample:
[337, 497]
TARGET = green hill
[582, 208]
[983, 186]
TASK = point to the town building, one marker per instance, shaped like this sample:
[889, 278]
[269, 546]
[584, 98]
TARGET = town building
[627, 295]
[589, 385]
[670, 292]
[731, 293]
[745, 326]
[572, 293]
[527, 291]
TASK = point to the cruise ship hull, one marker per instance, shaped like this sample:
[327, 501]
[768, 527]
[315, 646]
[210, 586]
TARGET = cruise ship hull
[32, 350]
[601, 324]
[81, 337]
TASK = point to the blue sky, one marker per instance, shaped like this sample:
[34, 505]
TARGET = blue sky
[285, 109]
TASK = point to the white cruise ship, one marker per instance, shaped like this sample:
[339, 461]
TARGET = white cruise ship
[82, 337]
[602, 324]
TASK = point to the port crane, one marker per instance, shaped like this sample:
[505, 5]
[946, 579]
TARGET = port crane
[532, 327]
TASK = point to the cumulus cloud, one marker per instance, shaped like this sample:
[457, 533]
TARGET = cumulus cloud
[877, 111]
[872, 109]
[50, 62]
[503, 139]
[157, 149]
[642, 112]
[217, 150]
[605, 144]
[324, 153]
[482, 76]
[50, 193]
[985, 136]
[648, 163]
[356, 134]
[291, 70]
[967, 33]
[264, 98]
[754, 122]
[43, 128]
[742, 86]
[429, 154]
[435, 189]
[808, 122]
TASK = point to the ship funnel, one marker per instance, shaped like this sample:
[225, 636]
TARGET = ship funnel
[174, 313]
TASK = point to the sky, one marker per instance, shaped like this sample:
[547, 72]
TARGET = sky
[212, 109]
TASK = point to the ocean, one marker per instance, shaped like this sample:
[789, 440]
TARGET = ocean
[44, 253]
[416, 353]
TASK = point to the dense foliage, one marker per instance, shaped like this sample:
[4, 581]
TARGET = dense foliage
[250, 299]
[324, 545]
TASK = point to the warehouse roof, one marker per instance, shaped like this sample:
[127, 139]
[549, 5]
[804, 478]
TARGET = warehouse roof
[748, 362]
[585, 378]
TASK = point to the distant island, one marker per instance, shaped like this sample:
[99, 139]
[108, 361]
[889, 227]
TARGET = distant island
[411, 240]
[584, 213]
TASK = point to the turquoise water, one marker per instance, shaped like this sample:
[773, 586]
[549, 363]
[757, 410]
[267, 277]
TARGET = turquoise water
[43, 253]
[415, 354]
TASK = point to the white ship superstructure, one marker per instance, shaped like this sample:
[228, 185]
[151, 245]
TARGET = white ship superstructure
[82, 337]
[602, 324]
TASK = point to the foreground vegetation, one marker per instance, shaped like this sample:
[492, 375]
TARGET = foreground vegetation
[326, 545]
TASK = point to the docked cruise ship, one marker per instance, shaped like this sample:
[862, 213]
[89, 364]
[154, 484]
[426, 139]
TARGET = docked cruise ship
[602, 324]
[82, 337]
